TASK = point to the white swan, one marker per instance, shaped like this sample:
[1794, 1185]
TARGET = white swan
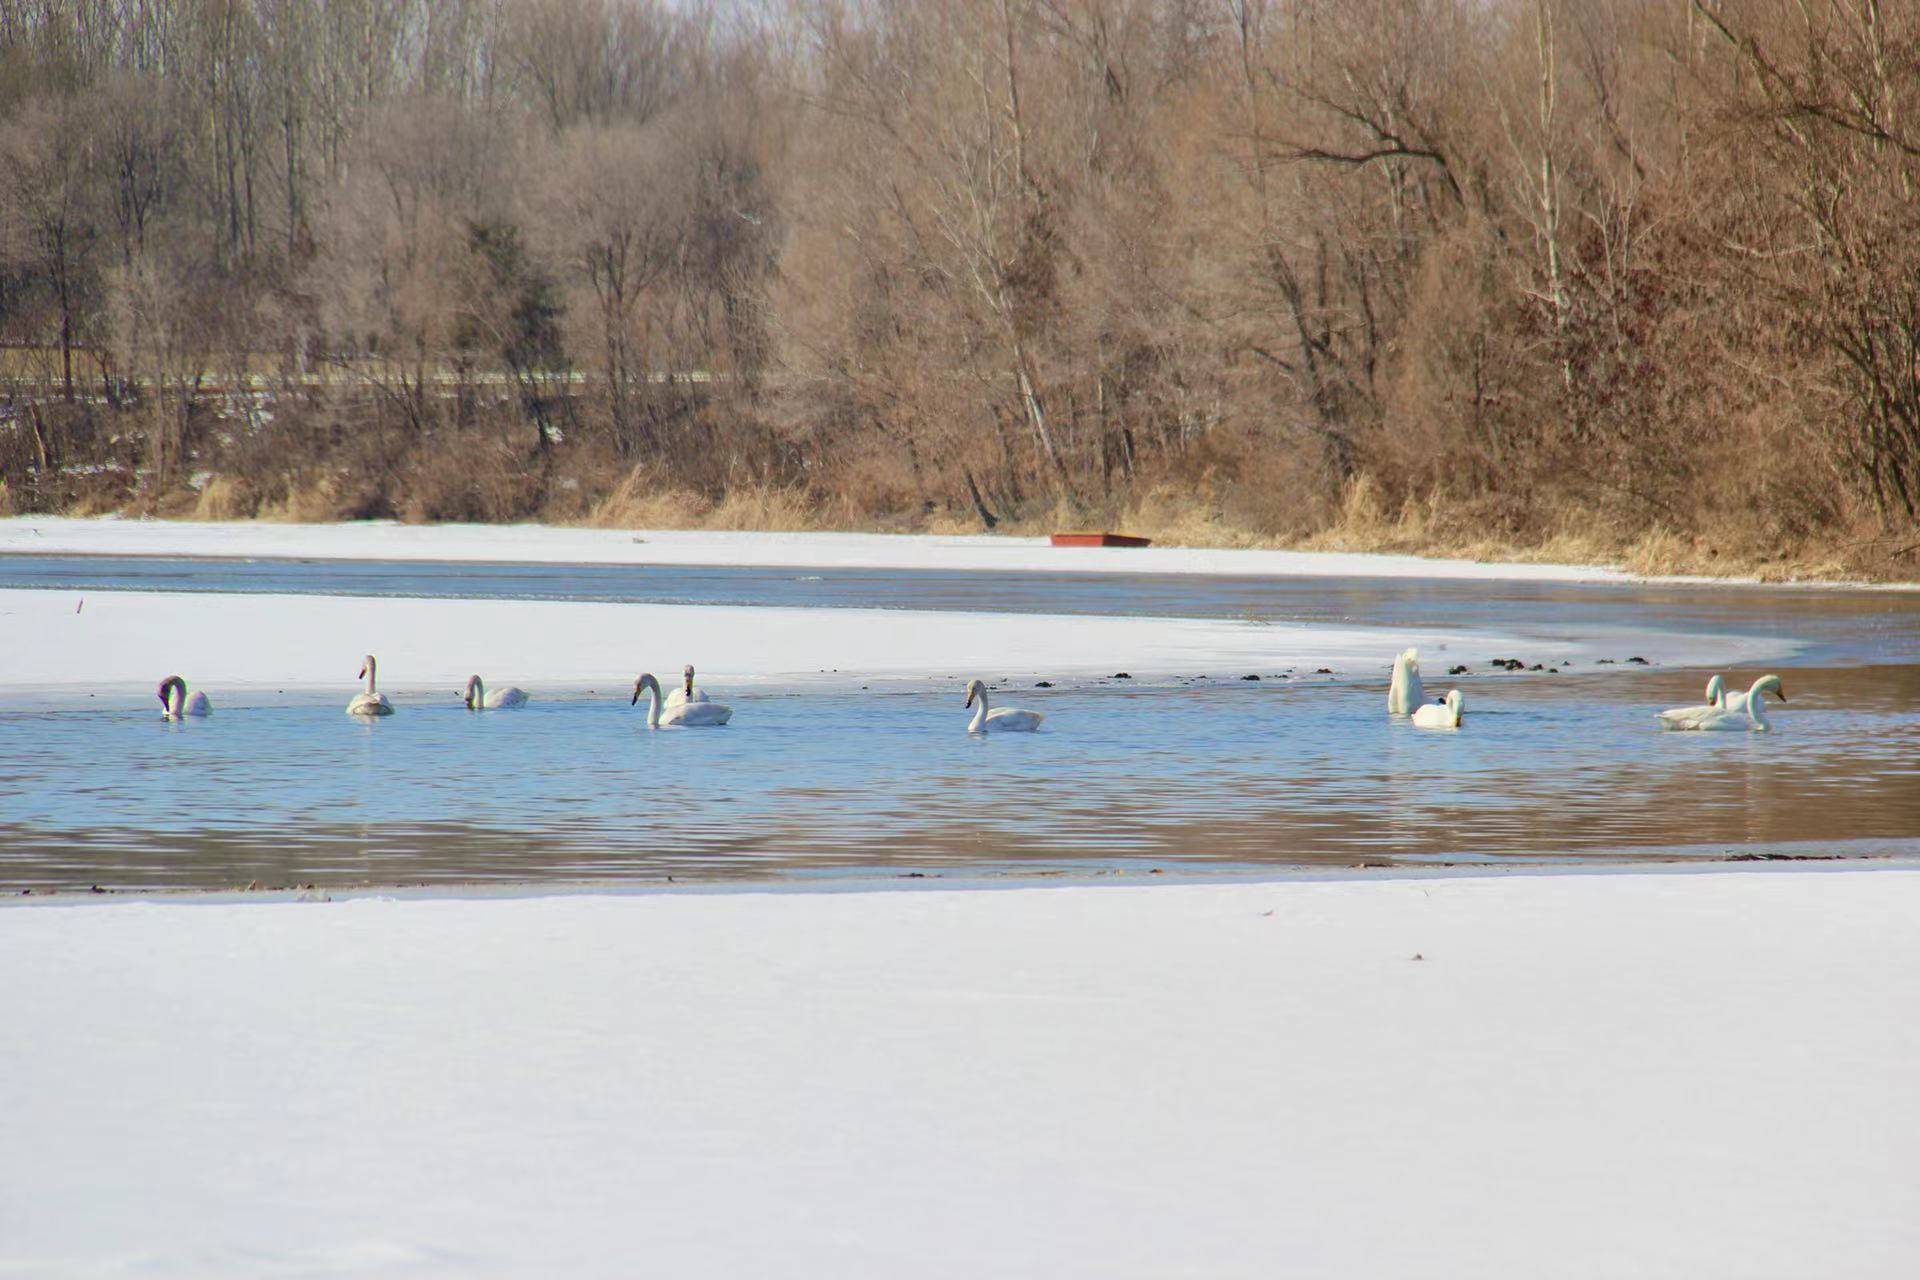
[177, 704]
[372, 702]
[1441, 715]
[1736, 700]
[1405, 693]
[700, 712]
[477, 696]
[1683, 717]
[685, 693]
[1005, 720]
[1752, 713]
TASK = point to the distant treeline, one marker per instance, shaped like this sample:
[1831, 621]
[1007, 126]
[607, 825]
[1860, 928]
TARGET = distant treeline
[1444, 272]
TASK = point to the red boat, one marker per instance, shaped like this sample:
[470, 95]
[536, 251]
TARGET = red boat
[1100, 540]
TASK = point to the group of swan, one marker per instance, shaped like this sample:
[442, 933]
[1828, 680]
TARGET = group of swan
[1741, 712]
[692, 708]
[685, 706]
[1738, 712]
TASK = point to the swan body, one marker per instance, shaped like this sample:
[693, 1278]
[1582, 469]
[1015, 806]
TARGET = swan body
[177, 704]
[1405, 693]
[1441, 715]
[370, 702]
[1683, 717]
[1005, 720]
[477, 696]
[699, 712]
[1751, 715]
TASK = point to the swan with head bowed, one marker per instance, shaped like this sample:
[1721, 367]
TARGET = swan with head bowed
[370, 702]
[1442, 715]
[478, 698]
[177, 704]
[685, 707]
[1738, 713]
[1005, 720]
[1405, 693]
[1683, 717]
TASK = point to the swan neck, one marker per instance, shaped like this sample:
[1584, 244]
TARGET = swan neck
[369, 675]
[177, 698]
[1757, 705]
[653, 705]
[476, 693]
[979, 722]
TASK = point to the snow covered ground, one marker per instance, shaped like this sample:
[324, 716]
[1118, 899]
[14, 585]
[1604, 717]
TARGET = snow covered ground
[542, 544]
[122, 639]
[1522, 1075]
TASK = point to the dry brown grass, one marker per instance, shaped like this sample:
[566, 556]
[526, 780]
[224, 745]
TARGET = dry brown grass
[641, 501]
[222, 498]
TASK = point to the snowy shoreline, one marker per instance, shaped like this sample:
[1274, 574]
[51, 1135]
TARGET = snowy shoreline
[550, 544]
[1831, 857]
[1569, 1075]
[126, 640]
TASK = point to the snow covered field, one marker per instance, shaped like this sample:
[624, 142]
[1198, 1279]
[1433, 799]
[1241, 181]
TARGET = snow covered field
[543, 544]
[123, 639]
[1569, 1075]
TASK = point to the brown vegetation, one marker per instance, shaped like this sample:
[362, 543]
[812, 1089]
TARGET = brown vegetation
[1543, 277]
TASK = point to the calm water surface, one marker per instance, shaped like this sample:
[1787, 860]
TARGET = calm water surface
[1200, 774]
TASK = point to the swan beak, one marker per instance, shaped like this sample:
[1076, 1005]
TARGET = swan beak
[636, 699]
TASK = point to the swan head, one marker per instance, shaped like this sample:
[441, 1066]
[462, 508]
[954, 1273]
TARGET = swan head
[366, 665]
[1769, 684]
[644, 683]
[1716, 688]
[974, 687]
[688, 673]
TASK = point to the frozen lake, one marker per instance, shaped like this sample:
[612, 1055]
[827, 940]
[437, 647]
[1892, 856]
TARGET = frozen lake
[1854, 625]
[1177, 772]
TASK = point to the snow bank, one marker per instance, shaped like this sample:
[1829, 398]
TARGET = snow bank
[1562, 1075]
[541, 544]
[124, 638]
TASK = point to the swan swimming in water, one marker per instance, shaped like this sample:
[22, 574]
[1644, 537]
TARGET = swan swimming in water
[1405, 693]
[1005, 720]
[686, 692]
[697, 712]
[1683, 717]
[1751, 716]
[177, 704]
[477, 696]
[372, 702]
[1736, 700]
[1442, 715]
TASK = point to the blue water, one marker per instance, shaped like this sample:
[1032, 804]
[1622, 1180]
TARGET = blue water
[1214, 774]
